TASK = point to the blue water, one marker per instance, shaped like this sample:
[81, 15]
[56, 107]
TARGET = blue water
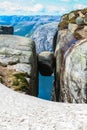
[45, 87]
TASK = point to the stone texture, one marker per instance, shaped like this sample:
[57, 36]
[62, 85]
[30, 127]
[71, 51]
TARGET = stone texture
[70, 65]
[72, 27]
[74, 74]
[70, 76]
[64, 40]
[78, 17]
[59, 44]
[71, 15]
[83, 32]
[79, 21]
[46, 63]
[85, 19]
[6, 30]
[24, 112]
[18, 63]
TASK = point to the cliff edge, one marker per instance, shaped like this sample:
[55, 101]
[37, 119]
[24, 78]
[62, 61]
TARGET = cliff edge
[71, 58]
[18, 64]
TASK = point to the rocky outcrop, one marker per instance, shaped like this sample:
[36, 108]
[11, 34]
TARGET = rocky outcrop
[74, 74]
[46, 63]
[70, 53]
[24, 112]
[18, 64]
[6, 30]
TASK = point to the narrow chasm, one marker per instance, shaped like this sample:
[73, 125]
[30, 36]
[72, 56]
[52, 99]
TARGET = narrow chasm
[46, 65]
[47, 68]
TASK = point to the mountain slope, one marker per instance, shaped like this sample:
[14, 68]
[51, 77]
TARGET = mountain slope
[43, 36]
[26, 25]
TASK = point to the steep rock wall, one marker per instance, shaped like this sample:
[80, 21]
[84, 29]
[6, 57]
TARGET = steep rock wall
[18, 64]
[70, 53]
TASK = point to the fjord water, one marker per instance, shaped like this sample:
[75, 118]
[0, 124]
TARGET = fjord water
[45, 87]
[26, 26]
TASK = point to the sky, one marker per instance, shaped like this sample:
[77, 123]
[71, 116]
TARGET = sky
[40, 7]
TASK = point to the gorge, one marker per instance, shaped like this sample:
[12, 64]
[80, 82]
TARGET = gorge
[39, 29]
[68, 62]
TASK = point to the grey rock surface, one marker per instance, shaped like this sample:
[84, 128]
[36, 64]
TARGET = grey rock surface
[70, 68]
[79, 21]
[74, 76]
[72, 27]
[71, 15]
[18, 59]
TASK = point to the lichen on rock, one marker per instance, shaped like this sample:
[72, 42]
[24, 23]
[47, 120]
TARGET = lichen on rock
[77, 17]
[18, 63]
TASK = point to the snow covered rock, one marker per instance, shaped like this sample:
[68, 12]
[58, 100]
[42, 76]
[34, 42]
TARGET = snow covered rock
[24, 112]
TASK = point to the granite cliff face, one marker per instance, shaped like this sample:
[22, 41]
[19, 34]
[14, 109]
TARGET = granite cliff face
[18, 64]
[71, 59]
[74, 76]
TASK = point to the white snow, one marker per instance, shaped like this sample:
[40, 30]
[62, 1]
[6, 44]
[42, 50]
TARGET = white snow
[24, 112]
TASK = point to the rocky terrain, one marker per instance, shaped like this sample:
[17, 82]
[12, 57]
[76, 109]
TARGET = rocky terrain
[18, 64]
[18, 70]
[71, 59]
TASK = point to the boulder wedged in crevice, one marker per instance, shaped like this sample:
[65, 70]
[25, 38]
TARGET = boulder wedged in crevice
[46, 63]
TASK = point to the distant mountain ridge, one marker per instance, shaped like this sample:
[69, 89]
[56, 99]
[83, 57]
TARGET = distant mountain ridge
[26, 25]
[15, 18]
[37, 27]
